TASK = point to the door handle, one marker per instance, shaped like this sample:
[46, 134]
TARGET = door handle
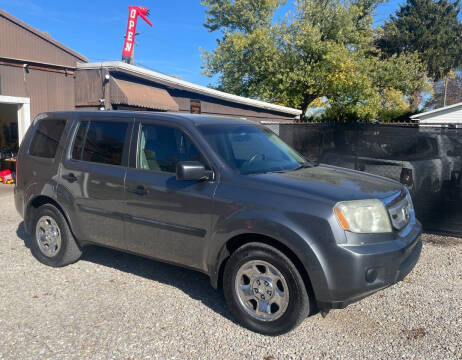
[140, 190]
[70, 177]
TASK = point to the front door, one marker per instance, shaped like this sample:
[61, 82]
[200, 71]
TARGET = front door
[92, 179]
[166, 219]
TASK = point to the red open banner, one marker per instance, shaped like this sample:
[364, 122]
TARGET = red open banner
[133, 13]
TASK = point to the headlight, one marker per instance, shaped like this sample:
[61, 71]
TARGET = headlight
[363, 216]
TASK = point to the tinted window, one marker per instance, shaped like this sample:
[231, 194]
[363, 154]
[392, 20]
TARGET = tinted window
[46, 138]
[105, 142]
[160, 148]
[79, 139]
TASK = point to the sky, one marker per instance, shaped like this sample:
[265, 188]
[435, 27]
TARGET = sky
[96, 30]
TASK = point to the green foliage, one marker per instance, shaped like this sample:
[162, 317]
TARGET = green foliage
[321, 54]
[430, 28]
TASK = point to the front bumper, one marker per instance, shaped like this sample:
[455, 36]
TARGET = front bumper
[357, 271]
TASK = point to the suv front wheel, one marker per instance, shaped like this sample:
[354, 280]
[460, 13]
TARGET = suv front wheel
[53, 243]
[264, 290]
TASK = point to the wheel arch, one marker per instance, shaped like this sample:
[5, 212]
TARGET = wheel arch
[237, 241]
[34, 204]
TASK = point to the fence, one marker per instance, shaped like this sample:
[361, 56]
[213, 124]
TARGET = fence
[428, 160]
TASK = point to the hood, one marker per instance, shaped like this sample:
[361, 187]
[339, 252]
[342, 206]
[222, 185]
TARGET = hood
[334, 183]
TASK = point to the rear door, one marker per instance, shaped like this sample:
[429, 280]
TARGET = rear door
[93, 176]
[166, 218]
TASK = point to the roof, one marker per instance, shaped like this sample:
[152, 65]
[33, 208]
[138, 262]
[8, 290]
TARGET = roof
[175, 82]
[453, 107]
[130, 93]
[199, 119]
[41, 35]
[194, 119]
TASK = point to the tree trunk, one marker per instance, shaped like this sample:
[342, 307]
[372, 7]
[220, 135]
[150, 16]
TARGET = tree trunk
[446, 80]
[307, 100]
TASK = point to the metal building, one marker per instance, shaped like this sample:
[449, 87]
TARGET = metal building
[39, 74]
[36, 74]
[116, 85]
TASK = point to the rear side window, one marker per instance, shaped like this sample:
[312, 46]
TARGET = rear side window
[79, 140]
[103, 143]
[46, 138]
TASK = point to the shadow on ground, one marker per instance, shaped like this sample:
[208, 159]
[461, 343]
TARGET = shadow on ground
[193, 283]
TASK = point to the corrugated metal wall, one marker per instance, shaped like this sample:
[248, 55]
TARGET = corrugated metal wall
[49, 87]
[17, 42]
[89, 91]
[48, 91]
[215, 106]
[88, 88]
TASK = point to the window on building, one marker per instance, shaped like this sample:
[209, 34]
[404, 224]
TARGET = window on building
[104, 142]
[160, 148]
[195, 106]
[46, 138]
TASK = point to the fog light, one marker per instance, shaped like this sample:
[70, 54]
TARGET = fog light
[371, 275]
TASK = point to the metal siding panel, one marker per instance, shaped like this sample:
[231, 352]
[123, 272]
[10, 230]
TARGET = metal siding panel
[140, 95]
[47, 91]
[216, 107]
[19, 43]
[12, 81]
[88, 88]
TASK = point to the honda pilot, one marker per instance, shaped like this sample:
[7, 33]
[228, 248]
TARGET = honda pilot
[283, 237]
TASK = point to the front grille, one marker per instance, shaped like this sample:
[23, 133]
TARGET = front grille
[400, 212]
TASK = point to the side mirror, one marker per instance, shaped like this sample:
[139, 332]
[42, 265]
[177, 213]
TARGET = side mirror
[192, 170]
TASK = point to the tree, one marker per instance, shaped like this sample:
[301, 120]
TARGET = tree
[449, 88]
[321, 54]
[430, 28]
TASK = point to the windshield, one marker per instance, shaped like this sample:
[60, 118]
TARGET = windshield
[251, 149]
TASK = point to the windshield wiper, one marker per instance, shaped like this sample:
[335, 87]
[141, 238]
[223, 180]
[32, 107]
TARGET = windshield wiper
[304, 165]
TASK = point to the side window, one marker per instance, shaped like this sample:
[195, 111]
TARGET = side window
[46, 138]
[161, 147]
[79, 139]
[104, 142]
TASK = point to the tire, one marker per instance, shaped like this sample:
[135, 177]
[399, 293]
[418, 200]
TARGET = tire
[257, 261]
[53, 253]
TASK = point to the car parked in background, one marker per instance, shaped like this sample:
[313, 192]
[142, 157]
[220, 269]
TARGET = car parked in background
[282, 236]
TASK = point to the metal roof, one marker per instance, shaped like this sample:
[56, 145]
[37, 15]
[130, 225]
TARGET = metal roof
[441, 109]
[175, 82]
[150, 97]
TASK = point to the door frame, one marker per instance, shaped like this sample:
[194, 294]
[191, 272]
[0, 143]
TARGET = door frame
[23, 113]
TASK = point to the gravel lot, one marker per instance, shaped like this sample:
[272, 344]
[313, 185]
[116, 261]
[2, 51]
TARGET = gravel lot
[111, 305]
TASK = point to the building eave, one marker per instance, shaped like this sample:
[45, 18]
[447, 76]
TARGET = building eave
[436, 111]
[174, 82]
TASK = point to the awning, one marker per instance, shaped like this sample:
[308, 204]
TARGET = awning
[134, 94]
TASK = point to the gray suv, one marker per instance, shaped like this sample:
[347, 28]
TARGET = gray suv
[284, 238]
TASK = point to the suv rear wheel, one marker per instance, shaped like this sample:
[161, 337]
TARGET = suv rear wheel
[53, 243]
[264, 290]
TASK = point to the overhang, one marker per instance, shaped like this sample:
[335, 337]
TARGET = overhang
[176, 83]
[135, 94]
